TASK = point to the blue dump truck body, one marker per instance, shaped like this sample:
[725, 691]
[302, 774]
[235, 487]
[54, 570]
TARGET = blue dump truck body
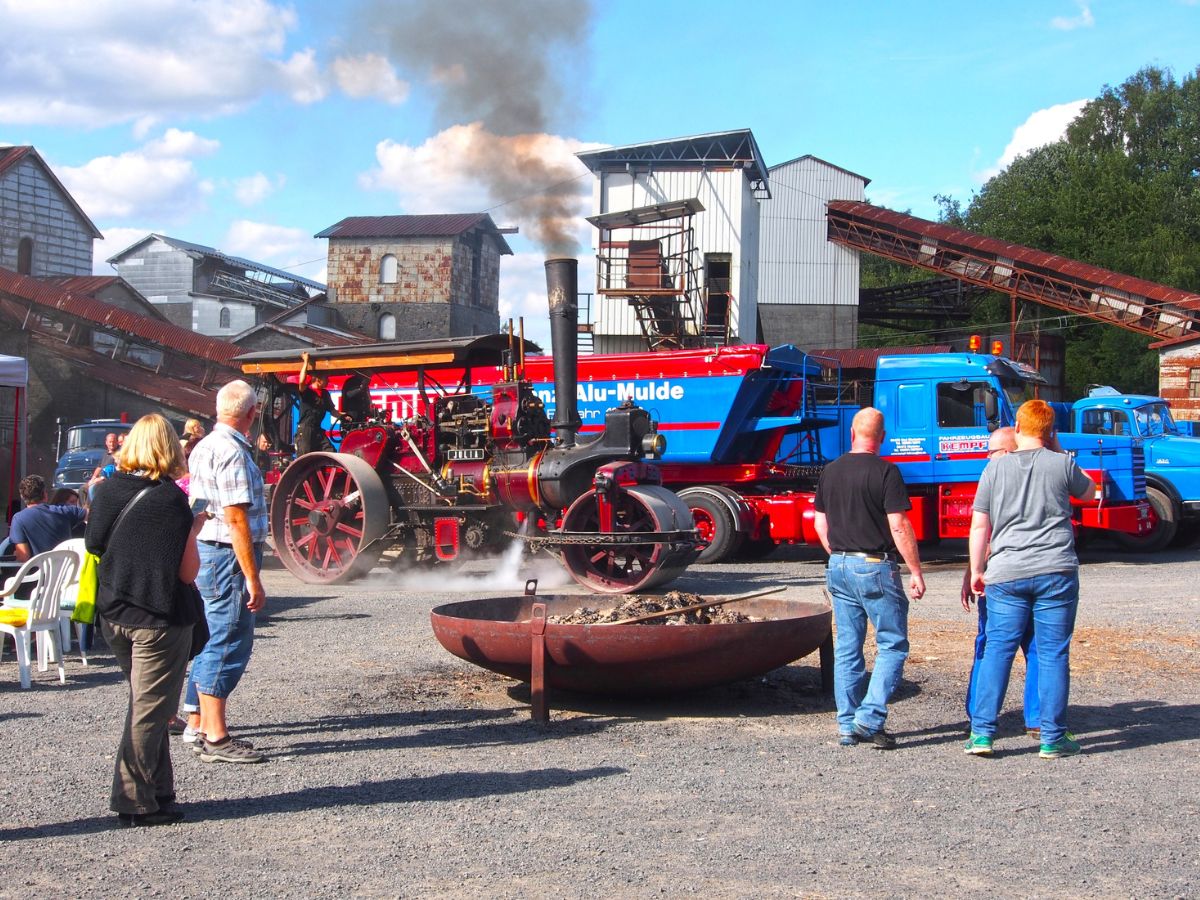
[1172, 455]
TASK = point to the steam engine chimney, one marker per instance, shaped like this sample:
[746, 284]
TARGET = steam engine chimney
[562, 287]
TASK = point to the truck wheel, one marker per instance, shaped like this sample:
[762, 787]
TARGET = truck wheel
[1165, 526]
[716, 525]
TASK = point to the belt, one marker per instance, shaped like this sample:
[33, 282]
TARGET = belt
[225, 545]
[866, 557]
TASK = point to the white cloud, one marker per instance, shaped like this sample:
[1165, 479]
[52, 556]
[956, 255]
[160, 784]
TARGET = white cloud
[115, 240]
[1041, 128]
[1085, 19]
[369, 76]
[302, 78]
[523, 292]
[533, 180]
[99, 62]
[156, 181]
[293, 249]
[255, 188]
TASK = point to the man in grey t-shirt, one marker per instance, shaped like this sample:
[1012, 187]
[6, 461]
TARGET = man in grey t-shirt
[1023, 507]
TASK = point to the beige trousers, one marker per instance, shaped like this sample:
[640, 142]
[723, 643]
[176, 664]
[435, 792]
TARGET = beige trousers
[154, 661]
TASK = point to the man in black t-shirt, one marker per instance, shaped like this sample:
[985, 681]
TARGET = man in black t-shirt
[860, 518]
[315, 404]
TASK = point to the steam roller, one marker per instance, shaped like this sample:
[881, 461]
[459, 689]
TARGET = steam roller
[437, 474]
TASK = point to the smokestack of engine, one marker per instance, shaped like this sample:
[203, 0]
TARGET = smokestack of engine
[562, 288]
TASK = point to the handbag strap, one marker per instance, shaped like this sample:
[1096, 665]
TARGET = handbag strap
[125, 511]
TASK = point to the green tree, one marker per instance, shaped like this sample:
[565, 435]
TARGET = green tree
[1122, 191]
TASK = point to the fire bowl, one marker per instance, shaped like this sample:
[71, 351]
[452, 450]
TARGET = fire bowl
[623, 660]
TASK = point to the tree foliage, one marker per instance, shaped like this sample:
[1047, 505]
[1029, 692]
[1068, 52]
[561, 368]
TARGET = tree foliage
[1121, 191]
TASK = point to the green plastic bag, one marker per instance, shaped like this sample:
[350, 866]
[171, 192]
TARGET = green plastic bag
[85, 599]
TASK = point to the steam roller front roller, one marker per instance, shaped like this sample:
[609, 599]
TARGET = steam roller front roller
[328, 512]
[625, 566]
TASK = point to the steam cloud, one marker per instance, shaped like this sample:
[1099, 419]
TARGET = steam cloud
[503, 64]
[508, 572]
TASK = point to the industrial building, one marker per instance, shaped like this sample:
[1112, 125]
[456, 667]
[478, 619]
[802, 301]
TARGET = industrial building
[208, 291]
[416, 277]
[701, 224]
[43, 231]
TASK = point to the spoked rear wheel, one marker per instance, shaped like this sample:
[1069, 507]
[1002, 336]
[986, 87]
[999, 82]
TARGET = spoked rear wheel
[622, 568]
[328, 512]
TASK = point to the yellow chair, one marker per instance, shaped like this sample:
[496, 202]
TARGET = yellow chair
[53, 569]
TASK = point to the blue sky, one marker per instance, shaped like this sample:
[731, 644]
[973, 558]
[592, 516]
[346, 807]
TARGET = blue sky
[250, 125]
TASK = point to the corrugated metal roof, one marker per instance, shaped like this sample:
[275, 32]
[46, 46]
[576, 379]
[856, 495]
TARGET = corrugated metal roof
[159, 387]
[237, 261]
[445, 225]
[47, 294]
[83, 284]
[736, 148]
[10, 156]
[865, 180]
[313, 334]
[1061, 265]
[866, 357]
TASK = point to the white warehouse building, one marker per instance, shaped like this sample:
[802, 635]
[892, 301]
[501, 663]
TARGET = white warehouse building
[699, 225]
[807, 285]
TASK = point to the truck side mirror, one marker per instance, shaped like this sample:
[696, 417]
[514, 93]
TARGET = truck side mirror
[991, 410]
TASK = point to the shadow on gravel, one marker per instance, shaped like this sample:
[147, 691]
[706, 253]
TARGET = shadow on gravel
[424, 729]
[432, 788]
[786, 691]
[1134, 724]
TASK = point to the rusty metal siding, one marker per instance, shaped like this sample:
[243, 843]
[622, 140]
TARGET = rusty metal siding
[797, 264]
[164, 334]
[1174, 369]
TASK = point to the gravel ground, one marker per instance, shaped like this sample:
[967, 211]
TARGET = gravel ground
[397, 770]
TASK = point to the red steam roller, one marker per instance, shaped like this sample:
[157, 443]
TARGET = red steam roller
[440, 472]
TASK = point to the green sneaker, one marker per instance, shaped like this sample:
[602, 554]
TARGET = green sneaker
[1067, 746]
[978, 745]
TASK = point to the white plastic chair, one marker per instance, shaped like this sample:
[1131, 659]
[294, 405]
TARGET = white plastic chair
[54, 569]
[67, 601]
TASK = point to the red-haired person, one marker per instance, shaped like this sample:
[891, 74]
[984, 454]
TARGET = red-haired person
[1022, 513]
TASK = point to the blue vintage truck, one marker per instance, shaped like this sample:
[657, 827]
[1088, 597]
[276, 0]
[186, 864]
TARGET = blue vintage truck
[1172, 457]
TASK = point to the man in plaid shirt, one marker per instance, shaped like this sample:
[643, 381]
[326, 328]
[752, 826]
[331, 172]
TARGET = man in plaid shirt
[231, 543]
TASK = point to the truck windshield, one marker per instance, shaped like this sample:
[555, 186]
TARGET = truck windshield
[88, 437]
[1154, 419]
[1017, 392]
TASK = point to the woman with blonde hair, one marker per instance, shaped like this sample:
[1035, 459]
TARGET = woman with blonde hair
[142, 528]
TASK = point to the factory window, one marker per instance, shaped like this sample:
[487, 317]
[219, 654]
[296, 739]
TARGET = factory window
[387, 270]
[223, 317]
[25, 256]
[387, 327]
[1194, 384]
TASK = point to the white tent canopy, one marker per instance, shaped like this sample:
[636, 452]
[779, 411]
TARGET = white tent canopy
[14, 372]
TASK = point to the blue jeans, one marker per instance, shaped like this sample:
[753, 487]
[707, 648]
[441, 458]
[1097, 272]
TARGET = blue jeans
[1049, 602]
[218, 668]
[1033, 707]
[866, 592]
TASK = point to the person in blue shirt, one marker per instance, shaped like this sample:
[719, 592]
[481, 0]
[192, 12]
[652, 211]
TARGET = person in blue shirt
[40, 526]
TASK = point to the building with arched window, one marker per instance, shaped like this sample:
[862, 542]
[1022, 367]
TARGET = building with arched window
[416, 277]
[388, 269]
[43, 231]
